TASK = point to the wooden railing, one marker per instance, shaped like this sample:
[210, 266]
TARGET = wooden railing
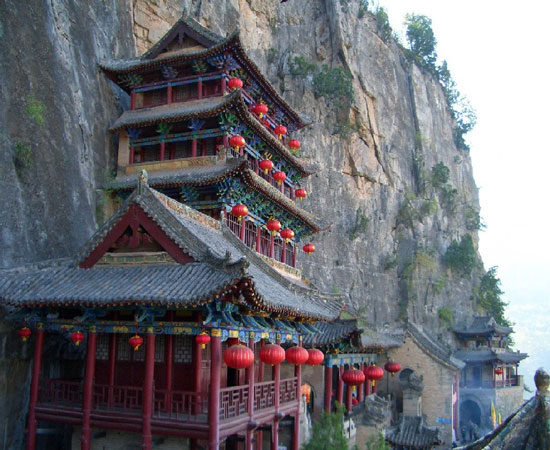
[180, 405]
[287, 392]
[233, 401]
[118, 397]
[490, 384]
[264, 395]
[61, 392]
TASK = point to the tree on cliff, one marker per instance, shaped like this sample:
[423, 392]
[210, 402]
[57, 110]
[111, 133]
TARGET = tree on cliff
[421, 38]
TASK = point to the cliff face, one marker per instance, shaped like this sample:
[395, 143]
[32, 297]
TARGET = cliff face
[391, 225]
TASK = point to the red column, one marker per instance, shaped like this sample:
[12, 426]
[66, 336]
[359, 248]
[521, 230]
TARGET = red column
[225, 141]
[328, 388]
[242, 229]
[85, 437]
[168, 364]
[271, 246]
[162, 150]
[36, 367]
[194, 147]
[132, 100]
[360, 388]
[294, 254]
[224, 83]
[258, 238]
[349, 391]
[369, 387]
[250, 382]
[214, 394]
[275, 427]
[283, 253]
[199, 88]
[169, 94]
[148, 381]
[260, 433]
[296, 431]
[132, 155]
[112, 366]
[340, 391]
[197, 361]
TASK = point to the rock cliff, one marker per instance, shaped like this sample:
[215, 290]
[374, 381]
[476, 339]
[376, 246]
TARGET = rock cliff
[391, 220]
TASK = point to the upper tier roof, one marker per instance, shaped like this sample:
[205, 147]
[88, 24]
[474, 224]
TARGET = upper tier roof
[208, 107]
[222, 263]
[481, 326]
[214, 45]
[487, 355]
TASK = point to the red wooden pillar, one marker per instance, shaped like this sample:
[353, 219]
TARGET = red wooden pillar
[197, 362]
[260, 433]
[132, 100]
[258, 238]
[275, 427]
[87, 399]
[194, 148]
[328, 388]
[148, 381]
[112, 367]
[271, 246]
[214, 394]
[224, 84]
[283, 253]
[250, 382]
[168, 364]
[199, 88]
[369, 387]
[340, 391]
[169, 94]
[360, 388]
[349, 392]
[294, 255]
[162, 150]
[296, 431]
[225, 141]
[132, 155]
[242, 224]
[36, 367]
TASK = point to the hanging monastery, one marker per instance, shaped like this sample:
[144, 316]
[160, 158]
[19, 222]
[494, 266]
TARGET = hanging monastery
[185, 317]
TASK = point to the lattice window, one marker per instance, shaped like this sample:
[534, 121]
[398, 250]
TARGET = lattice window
[123, 348]
[102, 347]
[159, 348]
[183, 350]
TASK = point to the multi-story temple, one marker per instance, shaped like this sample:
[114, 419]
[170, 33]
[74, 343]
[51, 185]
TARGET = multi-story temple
[201, 252]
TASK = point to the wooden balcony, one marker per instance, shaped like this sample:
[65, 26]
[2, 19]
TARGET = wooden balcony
[514, 380]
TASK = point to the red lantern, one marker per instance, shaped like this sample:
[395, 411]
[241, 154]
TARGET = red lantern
[297, 355]
[235, 83]
[373, 373]
[202, 339]
[300, 193]
[237, 142]
[353, 377]
[24, 333]
[77, 337]
[238, 357]
[294, 144]
[499, 371]
[287, 234]
[315, 358]
[280, 130]
[240, 211]
[260, 109]
[392, 367]
[279, 177]
[135, 342]
[233, 341]
[309, 249]
[272, 354]
[266, 165]
[273, 225]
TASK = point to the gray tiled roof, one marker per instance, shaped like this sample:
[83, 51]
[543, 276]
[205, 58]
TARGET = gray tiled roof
[411, 432]
[472, 356]
[331, 333]
[482, 325]
[203, 238]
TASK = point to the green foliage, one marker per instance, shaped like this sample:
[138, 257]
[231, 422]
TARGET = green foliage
[390, 262]
[446, 316]
[23, 156]
[272, 54]
[363, 8]
[345, 128]
[428, 208]
[334, 289]
[461, 257]
[333, 84]
[488, 296]
[361, 224]
[419, 171]
[344, 4]
[299, 67]
[439, 284]
[35, 110]
[414, 209]
[328, 433]
[472, 219]
[377, 443]
[440, 175]
[421, 39]
[383, 27]
[465, 117]
[449, 198]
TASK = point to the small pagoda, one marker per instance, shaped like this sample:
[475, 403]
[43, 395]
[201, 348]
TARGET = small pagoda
[165, 323]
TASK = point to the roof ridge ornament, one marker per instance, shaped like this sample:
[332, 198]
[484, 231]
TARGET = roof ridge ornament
[143, 180]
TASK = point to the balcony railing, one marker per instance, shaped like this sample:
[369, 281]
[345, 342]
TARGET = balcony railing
[490, 384]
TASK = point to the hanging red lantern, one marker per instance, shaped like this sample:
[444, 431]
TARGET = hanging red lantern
[300, 193]
[238, 357]
[135, 342]
[279, 177]
[240, 211]
[392, 367]
[202, 339]
[297, 355]
[24, 333]
[237, 142]
[373, 373]
[273, 225]
[353, 377]
[287, 234]
[266, 165]
[235, 83]
[294, 144]
[77, 337]
[309, 249]
[234, 341]
[499, 371]
[280, 130]
[260, 109]
[315, 357]
[272, 354]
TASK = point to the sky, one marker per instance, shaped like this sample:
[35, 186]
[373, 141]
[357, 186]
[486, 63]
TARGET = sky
[497, 52]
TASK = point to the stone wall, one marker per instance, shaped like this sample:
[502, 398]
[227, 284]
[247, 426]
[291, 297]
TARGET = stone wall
[508, 400]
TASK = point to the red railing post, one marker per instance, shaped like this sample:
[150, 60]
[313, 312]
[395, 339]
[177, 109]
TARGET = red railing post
[87, 399]
[214, 393]
[132, 100]
[296, 431]
[360, 390]
[276, 372]
[328, 387]
[250, 382]
[242, 229]
[194, 148]
[148, 380]
[112, 367]
[349, 391]
[271, 246]
[294, 255]
[169, 94]
[340, 391]
[283, 253]
[36, 367]
[168, 358]
[197, 359]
